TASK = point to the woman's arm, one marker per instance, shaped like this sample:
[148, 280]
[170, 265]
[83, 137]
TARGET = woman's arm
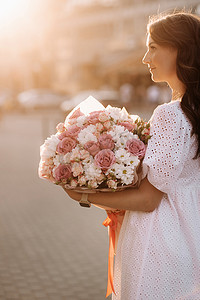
[146, 198]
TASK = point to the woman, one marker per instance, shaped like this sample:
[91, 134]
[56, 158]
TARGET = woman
[158, 254]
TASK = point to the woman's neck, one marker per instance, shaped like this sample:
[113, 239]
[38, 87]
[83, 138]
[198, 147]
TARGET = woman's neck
[178, 89]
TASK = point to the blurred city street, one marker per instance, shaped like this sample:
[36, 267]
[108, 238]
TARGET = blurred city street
[50, 247]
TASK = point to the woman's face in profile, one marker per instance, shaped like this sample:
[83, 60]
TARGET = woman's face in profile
[161, 61]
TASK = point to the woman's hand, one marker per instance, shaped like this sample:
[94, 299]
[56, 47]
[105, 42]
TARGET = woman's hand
[146, 198]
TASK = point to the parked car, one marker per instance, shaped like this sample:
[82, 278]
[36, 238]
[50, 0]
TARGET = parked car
[39, 99]
[106, 97]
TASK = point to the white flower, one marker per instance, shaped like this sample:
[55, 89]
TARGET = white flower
[122, 156]
[66, 158]
[93, 184]
[58, 159]
[75, 154]
[74, 183]
[48, 149]
[91, 171]
[80, 121]
[77, 169]
[112, 184]
[123, 172]
[82, 180]
[115, 113]
[133, 161]
[118, 114]
[127, 178]
[116, 131]
[120, 136]
[87, 135]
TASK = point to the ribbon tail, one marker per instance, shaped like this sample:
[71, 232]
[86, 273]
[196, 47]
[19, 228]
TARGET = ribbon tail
[110, 285]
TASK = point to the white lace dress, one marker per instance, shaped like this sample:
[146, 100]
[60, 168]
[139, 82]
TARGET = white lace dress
[158, 254]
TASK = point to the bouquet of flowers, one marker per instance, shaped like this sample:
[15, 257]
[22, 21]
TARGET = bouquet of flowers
[95, 151]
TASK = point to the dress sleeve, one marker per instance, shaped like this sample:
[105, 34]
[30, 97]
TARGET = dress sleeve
[168, 147]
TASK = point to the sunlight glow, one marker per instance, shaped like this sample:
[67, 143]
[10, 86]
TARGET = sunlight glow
[10, 9]
[13, 13]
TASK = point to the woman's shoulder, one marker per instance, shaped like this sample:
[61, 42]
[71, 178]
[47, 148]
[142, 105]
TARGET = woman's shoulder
[172, 114]
[173, 105]
[170, 110]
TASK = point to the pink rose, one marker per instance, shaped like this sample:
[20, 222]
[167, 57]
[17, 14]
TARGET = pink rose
[66, 145]
[127, 125]
[72, 131]
[106, 141]
[77, 113]
[92, 147]
[136, 147]
[63, 172]
[104, 159]
[94, 117]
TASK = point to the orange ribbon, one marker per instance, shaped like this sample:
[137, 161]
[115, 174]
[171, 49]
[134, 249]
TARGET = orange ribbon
[113, 222]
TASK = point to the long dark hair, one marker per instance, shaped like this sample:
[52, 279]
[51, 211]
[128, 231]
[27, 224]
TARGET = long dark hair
[182, 31]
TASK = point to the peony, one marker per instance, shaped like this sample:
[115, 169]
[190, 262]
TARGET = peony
[106, 141]
[104, 159]
[66, 145]
[136, 147]
[62, 172]
[92, 147]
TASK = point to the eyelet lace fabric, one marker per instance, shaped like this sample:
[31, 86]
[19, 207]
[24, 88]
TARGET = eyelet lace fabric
[158, 254]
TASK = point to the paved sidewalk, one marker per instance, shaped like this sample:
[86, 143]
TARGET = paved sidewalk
[50, 248]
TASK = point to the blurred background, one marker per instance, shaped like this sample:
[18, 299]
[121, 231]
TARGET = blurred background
[54, 54]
